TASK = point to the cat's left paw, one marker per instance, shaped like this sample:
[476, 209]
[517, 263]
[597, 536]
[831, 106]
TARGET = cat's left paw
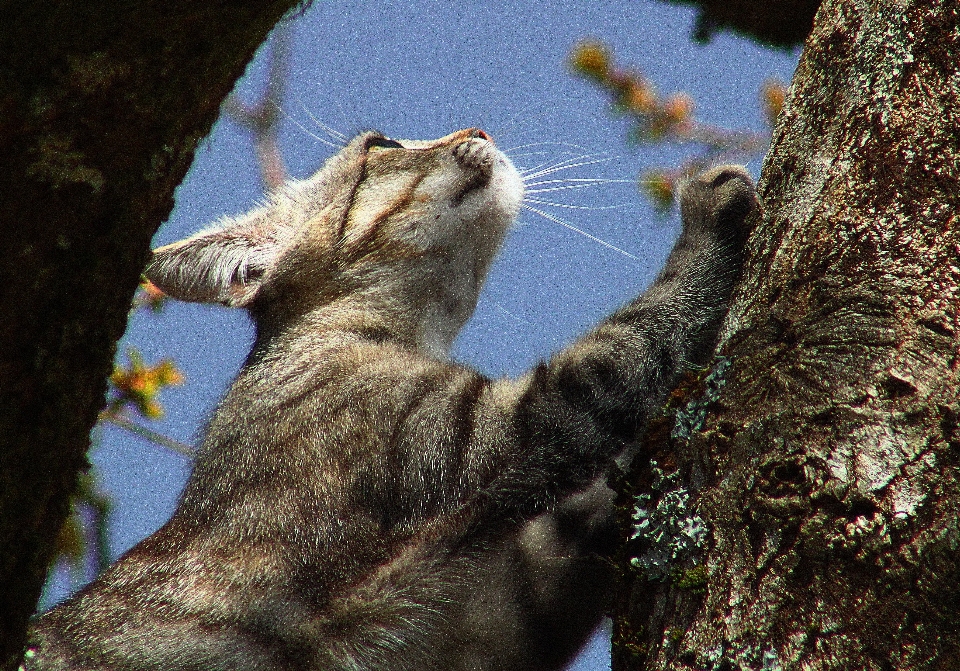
[721, 201]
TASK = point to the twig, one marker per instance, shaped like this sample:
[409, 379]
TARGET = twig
[150, 435]
[262, 118]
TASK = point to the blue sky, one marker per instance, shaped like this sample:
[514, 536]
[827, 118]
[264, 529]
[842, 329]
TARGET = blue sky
[420, 70]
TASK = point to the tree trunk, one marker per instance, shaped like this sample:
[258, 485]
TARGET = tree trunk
[101, 107]
[822, 452]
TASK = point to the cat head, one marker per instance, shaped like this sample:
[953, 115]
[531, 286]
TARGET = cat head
[398, 235]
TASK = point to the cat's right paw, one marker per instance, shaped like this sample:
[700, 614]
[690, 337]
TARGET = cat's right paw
[720, 201]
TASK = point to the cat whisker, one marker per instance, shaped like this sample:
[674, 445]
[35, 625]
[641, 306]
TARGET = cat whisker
[568, 206]
[531, 153]
[348, 118]
[571, 184]
[567, 159]
[546, 165]
[594, 180]
[510, 314]
[569, 226]
[329, 130]
[556, 160]
[563, 166]
[524, 171]
[546, 144]
[561, 188]
[303, 128]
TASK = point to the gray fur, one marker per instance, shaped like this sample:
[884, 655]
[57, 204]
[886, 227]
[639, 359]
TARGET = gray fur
[360, 502]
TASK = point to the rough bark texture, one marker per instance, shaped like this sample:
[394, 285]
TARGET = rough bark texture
[101, 106]
[778, 23]
[828, 467]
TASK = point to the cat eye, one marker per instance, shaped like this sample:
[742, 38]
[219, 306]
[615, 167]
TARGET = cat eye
[383, 143]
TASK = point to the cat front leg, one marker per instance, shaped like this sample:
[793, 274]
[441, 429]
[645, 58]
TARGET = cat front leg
[573, 414]
[548, 585]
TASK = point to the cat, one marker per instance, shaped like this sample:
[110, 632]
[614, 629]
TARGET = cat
[359, 501]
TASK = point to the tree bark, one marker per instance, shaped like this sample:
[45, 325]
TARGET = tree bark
[101, 107]
[827, 467]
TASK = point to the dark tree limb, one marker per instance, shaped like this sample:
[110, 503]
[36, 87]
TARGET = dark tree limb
[101, 107]
[828, 469]
[777, 23]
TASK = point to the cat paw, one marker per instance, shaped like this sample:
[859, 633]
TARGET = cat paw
[720, 201]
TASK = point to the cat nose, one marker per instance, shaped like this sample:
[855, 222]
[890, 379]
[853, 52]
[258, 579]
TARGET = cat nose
[476, 132]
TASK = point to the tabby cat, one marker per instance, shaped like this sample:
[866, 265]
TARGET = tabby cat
[359, 501]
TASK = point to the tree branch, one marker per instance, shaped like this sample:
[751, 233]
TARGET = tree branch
[101, 108]
[777, 23]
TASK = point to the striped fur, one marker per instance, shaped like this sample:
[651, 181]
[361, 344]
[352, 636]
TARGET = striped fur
[359, 501]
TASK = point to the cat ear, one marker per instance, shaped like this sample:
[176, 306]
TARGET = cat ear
[223, 265]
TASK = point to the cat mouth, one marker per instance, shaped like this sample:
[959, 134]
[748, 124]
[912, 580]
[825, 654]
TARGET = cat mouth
[477, 156]
[477, 182]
